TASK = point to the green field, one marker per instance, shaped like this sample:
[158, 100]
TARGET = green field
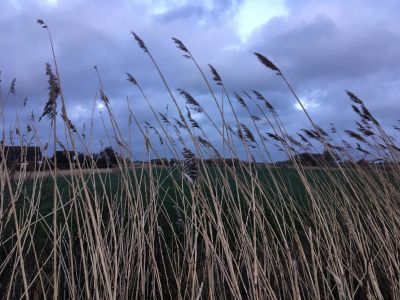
[160, 202]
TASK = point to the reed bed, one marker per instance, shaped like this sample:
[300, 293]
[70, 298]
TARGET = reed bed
[224, 221]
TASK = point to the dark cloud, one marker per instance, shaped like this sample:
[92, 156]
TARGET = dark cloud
[199, 13]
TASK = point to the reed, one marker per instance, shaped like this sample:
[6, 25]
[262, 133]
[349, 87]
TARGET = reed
[218, 219]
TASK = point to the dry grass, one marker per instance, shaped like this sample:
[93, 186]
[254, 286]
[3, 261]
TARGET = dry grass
[229, 229]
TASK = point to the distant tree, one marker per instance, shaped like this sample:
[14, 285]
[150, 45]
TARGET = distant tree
[164, 161]
[328, 158]
[110, 156]
[85, 160]
[308, 159]
[314, 159]
[101, 161]
[64, 159]
[159, 161]
[173, 162]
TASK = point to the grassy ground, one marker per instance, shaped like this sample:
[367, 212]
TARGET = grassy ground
[281, 197]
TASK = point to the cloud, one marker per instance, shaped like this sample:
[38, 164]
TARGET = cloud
[331, 52]
[322, 47]
[253, 14]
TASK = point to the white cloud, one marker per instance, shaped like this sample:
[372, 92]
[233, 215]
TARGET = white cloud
[78, 111]
[311, 100]
[162, 6]
[253, 14]
[52, 2]
[100, 106]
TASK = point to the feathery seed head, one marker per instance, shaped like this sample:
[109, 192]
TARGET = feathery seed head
[216, 76]
[190, 100]
[12, 87]
[240, 100]
[192, 121]
[131, 79]
[248, 134]
[266, 62]
[267, 104]
[140, 42]
[190, 165]
[181, 46]
[54, 90]
[41, 23]
[354, 98]
[164, 118]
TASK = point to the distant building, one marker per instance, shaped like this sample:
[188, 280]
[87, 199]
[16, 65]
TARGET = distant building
[18, 157]
[310, 160]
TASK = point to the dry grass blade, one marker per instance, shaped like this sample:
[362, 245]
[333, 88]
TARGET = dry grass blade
[158, 213]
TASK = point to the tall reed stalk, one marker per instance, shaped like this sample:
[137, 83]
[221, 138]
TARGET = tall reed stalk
[325, 224]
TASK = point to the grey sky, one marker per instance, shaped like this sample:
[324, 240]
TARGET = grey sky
[324, 47]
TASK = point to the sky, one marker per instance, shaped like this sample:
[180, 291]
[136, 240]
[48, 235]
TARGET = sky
[323, 48]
